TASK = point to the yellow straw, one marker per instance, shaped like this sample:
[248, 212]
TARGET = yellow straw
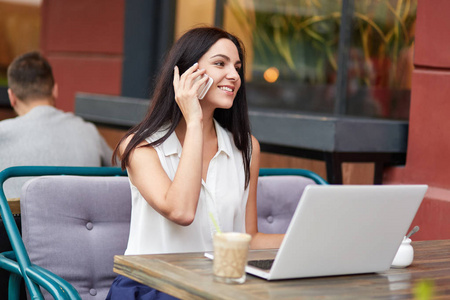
[215, 223]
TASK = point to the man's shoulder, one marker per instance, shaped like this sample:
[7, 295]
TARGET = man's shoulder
[47, 118]
[8, 123]
[70, 117]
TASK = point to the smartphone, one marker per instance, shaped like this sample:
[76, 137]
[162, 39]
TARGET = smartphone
[203, 89]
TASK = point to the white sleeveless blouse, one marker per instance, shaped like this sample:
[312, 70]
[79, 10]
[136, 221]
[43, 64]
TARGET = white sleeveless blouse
[223, 194]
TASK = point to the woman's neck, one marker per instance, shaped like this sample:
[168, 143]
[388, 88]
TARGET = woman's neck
[209, 130]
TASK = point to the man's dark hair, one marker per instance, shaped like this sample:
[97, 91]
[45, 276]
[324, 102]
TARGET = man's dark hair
[30, 77]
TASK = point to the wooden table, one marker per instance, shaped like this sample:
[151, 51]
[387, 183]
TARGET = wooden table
[189, 276]
[14, 205]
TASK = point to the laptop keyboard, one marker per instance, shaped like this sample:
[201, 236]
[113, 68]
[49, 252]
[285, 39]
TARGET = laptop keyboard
[264, 264]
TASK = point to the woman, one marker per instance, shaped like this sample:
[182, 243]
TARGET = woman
[190, 158]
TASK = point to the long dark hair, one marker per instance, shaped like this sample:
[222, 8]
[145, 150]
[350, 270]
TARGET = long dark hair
[164, 110]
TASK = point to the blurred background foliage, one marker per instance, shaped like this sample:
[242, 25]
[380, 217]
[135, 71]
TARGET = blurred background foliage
[300, 38]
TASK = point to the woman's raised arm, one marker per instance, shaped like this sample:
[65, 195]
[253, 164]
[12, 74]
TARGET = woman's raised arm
[176, 200]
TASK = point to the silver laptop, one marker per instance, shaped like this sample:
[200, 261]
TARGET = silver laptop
[343, 229]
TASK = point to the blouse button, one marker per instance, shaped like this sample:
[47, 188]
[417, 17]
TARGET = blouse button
[270, 219]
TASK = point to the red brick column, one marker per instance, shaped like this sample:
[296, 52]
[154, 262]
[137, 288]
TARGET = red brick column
[428, 156]
[83, 40]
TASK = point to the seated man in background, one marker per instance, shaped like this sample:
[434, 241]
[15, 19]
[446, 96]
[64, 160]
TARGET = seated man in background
[41, 134]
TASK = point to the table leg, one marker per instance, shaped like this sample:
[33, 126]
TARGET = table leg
[334, 168]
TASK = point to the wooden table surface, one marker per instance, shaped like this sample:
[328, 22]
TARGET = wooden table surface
[14, 205]
[189, 276]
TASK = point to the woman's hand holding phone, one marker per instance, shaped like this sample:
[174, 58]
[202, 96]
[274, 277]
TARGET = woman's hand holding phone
[204, 88]
[186, 88]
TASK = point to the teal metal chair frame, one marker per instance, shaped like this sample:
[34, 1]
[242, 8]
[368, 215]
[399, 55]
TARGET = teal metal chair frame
[292, 172]
[17, 262]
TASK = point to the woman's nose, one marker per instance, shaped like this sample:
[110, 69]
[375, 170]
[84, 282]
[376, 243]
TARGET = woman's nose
[233, 74]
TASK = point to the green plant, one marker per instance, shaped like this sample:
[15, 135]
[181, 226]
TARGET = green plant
[298, 37]
[301, 37]
[385, 31]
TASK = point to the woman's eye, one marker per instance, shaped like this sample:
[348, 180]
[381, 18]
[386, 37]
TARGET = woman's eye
[219, 63]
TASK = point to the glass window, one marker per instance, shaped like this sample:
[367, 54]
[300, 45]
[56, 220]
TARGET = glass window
[381, 58]
[293, 46]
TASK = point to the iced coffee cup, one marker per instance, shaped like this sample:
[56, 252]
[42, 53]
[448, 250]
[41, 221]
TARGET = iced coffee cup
[230, 256]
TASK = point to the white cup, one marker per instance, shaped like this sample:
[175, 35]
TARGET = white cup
[405, 254]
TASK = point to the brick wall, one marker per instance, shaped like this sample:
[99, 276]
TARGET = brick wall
[83, 41]
[428, 159]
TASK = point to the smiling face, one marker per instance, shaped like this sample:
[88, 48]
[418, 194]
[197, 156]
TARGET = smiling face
[222, 63]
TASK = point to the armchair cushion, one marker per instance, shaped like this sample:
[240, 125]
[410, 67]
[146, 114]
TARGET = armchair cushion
[278, 197]
[74, 225]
